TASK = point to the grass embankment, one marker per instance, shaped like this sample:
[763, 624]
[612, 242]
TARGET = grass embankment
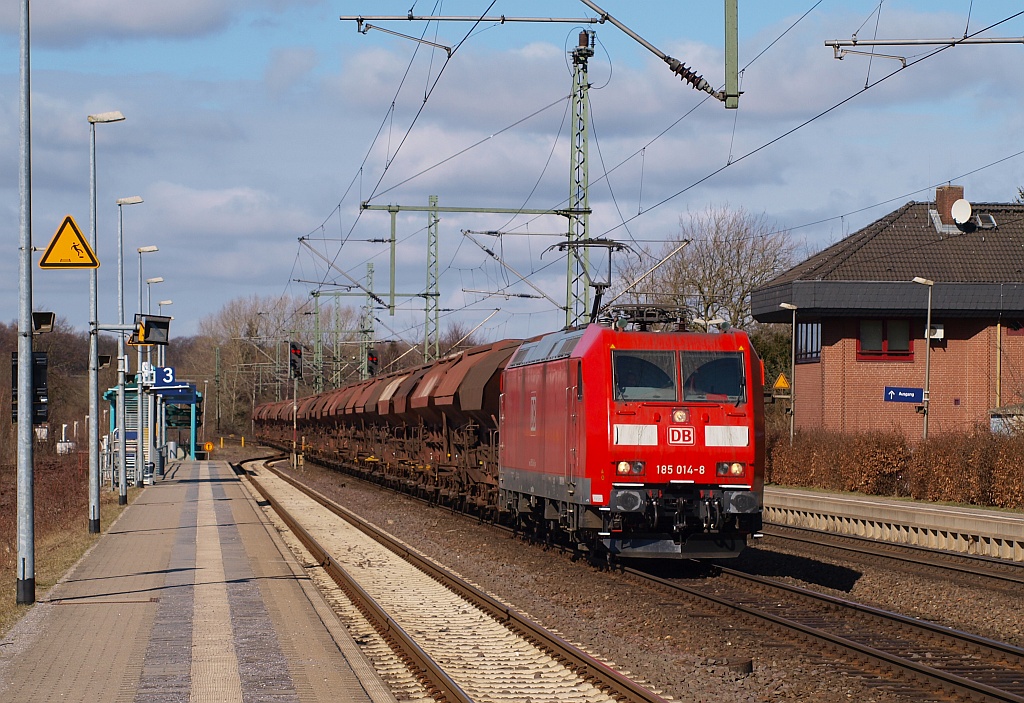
[61, 504]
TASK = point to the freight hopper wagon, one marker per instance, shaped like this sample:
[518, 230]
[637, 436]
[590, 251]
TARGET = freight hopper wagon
[431, 430]
[623, 442]
[638, 444]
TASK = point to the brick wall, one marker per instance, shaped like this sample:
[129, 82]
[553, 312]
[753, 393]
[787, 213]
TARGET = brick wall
[843, 394]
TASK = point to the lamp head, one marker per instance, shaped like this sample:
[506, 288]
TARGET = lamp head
[130, 200]
[104, 117]
[787, 306]
[149, 249]
[923, 281]
[158, 279]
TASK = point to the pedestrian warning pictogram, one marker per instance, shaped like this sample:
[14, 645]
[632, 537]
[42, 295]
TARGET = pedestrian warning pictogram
[68, 249]
[781, 383]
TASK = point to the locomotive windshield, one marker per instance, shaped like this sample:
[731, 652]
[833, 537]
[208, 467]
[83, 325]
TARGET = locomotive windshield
[644, 375]
[713, 375]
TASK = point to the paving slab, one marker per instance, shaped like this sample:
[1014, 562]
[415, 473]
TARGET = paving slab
[190, 596]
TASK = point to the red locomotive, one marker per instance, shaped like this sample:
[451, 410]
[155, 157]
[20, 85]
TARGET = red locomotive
[626, 441]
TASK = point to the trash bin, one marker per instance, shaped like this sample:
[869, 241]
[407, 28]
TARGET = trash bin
[149, 472]
[160, 464]
[172, 450]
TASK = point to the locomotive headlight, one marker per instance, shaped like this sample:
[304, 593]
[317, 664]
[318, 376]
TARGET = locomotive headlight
[680, 416]
[726, 468]
[629, 468]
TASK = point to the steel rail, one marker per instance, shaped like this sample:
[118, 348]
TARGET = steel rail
[438, 682]
[944, 680]
[584, 665]
[886, 661]
[987, 567]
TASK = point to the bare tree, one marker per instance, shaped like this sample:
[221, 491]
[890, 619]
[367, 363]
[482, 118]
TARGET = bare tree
[730, 253]
[242, 350]
[242, 353]
[457, 337]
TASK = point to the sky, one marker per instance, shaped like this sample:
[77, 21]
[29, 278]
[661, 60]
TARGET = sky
[255, 129]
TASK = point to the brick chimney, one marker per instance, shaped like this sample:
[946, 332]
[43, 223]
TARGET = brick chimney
[945, 196]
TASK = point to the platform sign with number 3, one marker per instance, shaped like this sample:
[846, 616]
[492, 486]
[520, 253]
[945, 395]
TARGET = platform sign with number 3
[164, 376]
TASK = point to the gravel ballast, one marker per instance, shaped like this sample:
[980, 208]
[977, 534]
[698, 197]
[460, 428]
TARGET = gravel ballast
[688, 656]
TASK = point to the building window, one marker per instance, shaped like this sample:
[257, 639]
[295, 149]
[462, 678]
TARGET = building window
[808, 342]
[885, 340]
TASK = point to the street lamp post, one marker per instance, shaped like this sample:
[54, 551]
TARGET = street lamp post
[25, 584]
[927, 353]
[792, 373]
[94, 350]
[162, 361]
[149, 291]
[140, 456]
[151, 422]
[122, 356]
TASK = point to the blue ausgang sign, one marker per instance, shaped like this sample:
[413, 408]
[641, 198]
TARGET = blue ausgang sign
[904, 395]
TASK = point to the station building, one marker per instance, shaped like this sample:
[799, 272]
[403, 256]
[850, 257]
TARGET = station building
[860, 320]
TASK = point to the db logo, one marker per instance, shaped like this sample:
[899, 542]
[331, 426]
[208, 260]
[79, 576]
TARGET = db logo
[680, 435]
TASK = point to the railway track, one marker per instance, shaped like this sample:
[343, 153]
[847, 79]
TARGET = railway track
[988, 571]
[902, 648]
[463, 645]
[918, 658]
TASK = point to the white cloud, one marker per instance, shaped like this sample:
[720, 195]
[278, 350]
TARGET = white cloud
[248, 123]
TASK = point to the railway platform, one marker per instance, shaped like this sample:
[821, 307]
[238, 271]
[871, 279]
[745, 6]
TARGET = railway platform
[190, 596]
[976, 531]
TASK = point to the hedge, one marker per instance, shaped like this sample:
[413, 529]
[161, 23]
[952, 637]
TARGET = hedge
[975, 468]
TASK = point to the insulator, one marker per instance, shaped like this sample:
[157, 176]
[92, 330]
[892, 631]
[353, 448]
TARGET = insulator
[688, 75]
[692, 78]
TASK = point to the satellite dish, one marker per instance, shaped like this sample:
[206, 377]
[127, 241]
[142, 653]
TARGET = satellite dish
[961, 211]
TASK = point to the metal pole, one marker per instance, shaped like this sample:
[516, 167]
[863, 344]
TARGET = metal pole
[94, 352]
[295, 420]
[577, 301]
[151, 425]
[927, 353]
[792, 372]
[26, 568]
[792, 383]
[122, 364]
[927, 362]
[162, 411]
[150, 399]
[192, 435]
[140, 455]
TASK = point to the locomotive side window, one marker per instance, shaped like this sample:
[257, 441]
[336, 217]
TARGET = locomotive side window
[712, 375]
[644, 375]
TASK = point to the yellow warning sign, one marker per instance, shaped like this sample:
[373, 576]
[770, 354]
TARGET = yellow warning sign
[68, 249]
[781, 383]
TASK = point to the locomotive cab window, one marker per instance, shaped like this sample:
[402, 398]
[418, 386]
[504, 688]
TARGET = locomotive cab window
[644, 375]
[714, 376]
